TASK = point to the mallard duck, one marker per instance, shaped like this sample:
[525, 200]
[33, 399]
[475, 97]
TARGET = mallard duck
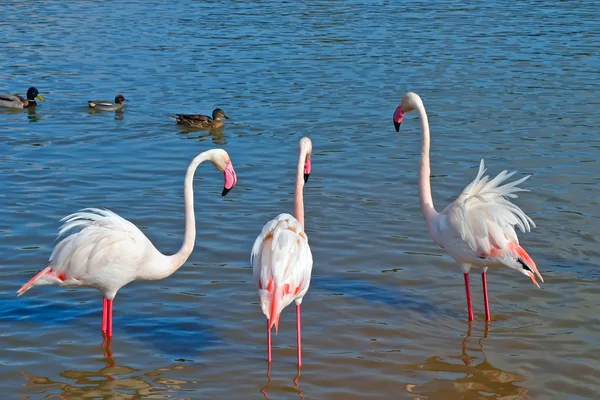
[16, 101]
[202, 121]
[106, 105]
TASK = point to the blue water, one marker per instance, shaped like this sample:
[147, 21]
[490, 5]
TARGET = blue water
[514, 83]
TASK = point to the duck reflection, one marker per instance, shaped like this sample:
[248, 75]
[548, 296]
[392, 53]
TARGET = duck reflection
[32, 116]
[119, 114]
[217, 135]
[109, 382]
[295, 388]
[476, 380]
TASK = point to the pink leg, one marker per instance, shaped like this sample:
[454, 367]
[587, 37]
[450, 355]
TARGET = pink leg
[109, 325]
[268, 342]
[468, 290]
[485, 296]
[299, 336]
[104, 314]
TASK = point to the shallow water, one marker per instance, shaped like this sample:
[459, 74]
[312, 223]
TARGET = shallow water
[514, 83]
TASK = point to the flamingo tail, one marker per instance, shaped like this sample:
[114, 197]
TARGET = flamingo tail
[30, 283]
[275, 313]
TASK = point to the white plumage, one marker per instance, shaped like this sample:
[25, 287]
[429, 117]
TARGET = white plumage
[105, 251]
[478, 228]
[281, 264]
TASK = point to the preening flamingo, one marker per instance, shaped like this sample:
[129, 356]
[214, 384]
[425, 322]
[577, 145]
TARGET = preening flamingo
[478, 228]
[108, 252]
[281, 258]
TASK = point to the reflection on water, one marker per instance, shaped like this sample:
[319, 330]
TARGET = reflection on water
[217, 135]
[119, 114]
[32, 116]
[295, 388]
[465, 378]
[110, 381]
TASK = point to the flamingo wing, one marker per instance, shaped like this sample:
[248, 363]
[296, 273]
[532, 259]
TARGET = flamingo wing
[105, 252]
[282, 265]
[484, 220]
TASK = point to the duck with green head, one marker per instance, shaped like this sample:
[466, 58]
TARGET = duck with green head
[9, 100]
[202, 121]
[106, 105]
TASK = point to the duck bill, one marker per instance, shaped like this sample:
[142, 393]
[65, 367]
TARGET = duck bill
[39, 96]
[226, 117]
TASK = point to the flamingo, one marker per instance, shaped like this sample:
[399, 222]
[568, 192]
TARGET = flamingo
[281, 258]
[478, 228]
[108, 251]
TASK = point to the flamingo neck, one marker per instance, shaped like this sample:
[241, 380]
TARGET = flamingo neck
[299, 192]
[425, 198]
[178, 259]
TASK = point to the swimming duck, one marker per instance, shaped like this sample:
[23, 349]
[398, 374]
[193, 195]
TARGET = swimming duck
[16, 101]
[202, 121]
[106, 105]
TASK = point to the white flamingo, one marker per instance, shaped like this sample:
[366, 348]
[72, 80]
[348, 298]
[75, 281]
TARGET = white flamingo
[108, 252]
[281, 258]
[478, 228]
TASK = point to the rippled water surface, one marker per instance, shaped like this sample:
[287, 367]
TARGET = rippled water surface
[515, 83]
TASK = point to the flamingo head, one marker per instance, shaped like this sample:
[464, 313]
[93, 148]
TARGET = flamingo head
[398, 116]
[306, 149]
[409, 102]
[220, 159]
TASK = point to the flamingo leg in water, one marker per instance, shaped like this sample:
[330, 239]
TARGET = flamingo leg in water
[485, 296]
[299, 336]
[104, 314]
[468, 290]
[109, 324]
[268, 342]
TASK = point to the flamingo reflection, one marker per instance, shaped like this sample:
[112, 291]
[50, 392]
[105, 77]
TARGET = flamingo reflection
[108, 382]
[480, 379]
[296, 381]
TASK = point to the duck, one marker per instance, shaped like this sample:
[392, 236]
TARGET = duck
[15, 101]
[202, 121]
[105, 105]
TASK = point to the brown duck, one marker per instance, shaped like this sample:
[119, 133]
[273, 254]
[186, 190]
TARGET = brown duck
[202, 121]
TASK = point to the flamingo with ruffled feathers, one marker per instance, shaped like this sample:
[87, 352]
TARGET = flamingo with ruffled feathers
[281, 258]
[478, 228]
[106, 251]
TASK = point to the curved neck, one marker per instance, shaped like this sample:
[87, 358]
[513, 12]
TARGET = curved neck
[189, 238]
[425, 199]
[299, 192]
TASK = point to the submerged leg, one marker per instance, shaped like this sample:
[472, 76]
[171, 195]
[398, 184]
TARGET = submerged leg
[109, 314]
[104, 314]
[468, 290]
[299, 335]
[485, 295]
[268, 342]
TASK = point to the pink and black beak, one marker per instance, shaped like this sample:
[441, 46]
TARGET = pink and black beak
[398, 116]
[230, 179]
[307, 169]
